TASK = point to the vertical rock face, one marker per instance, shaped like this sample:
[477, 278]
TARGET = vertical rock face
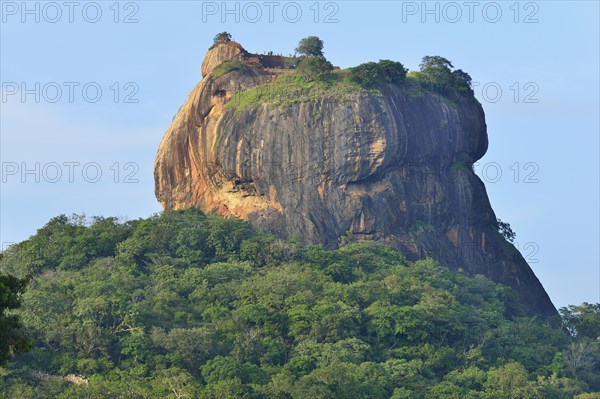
[393, 167]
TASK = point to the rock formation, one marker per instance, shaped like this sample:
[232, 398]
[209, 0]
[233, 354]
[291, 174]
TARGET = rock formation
[393, 166]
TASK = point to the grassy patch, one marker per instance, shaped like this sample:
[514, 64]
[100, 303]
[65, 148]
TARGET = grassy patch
[228, 66]
[294, 88]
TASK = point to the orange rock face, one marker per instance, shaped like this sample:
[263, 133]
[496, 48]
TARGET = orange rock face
[387, 167]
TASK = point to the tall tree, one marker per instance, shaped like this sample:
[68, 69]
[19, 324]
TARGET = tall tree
[436, 70]
[222, 37]
[310, 46]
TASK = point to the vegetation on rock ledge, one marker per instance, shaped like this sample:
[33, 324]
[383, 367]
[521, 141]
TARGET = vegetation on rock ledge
[228, 66]
[312, 77]
[294, 88]
[371, 74]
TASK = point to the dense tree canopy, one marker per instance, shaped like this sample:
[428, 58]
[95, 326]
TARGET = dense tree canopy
[436, 72]
[373, 73]
[582, 320]
[187, 305]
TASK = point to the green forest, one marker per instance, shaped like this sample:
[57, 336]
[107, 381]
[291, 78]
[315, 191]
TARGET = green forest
[188, 305]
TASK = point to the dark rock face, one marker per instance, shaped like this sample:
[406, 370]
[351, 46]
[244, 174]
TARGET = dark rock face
[394, 168]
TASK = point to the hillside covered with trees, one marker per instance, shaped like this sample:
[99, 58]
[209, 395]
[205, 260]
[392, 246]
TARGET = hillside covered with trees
[187, 305]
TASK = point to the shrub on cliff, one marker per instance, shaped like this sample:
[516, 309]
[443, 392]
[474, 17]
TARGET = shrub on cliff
[371, 74]
[436, 72]
[314, 68]
[505, 230]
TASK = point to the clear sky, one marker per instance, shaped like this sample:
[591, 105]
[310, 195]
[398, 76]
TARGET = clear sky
[89, 88]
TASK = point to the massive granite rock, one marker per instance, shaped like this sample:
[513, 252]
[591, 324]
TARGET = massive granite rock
[393, 167]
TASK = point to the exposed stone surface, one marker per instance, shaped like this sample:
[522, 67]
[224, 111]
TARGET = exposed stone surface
[222, 52]
[393, 168]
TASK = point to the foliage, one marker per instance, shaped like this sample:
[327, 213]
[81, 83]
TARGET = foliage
[582, 356]
[371, 74]
[223, 37]
[593, 395]
[12, 338]
[582, 320]
[310, 46]
[436, 70]
[436, 73]
[314, 68]
[187, 305]
[505, 231]
[312, 78]
[228, 66]
[461, 80]
[294, 88]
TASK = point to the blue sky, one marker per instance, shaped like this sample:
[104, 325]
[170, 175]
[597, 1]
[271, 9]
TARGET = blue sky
[107, 91]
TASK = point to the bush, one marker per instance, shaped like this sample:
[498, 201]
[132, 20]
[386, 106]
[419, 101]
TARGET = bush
[315, 68]
[437, 71]
[371, 73]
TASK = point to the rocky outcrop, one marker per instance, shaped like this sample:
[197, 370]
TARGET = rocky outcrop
[222, 52]
[393, 167]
